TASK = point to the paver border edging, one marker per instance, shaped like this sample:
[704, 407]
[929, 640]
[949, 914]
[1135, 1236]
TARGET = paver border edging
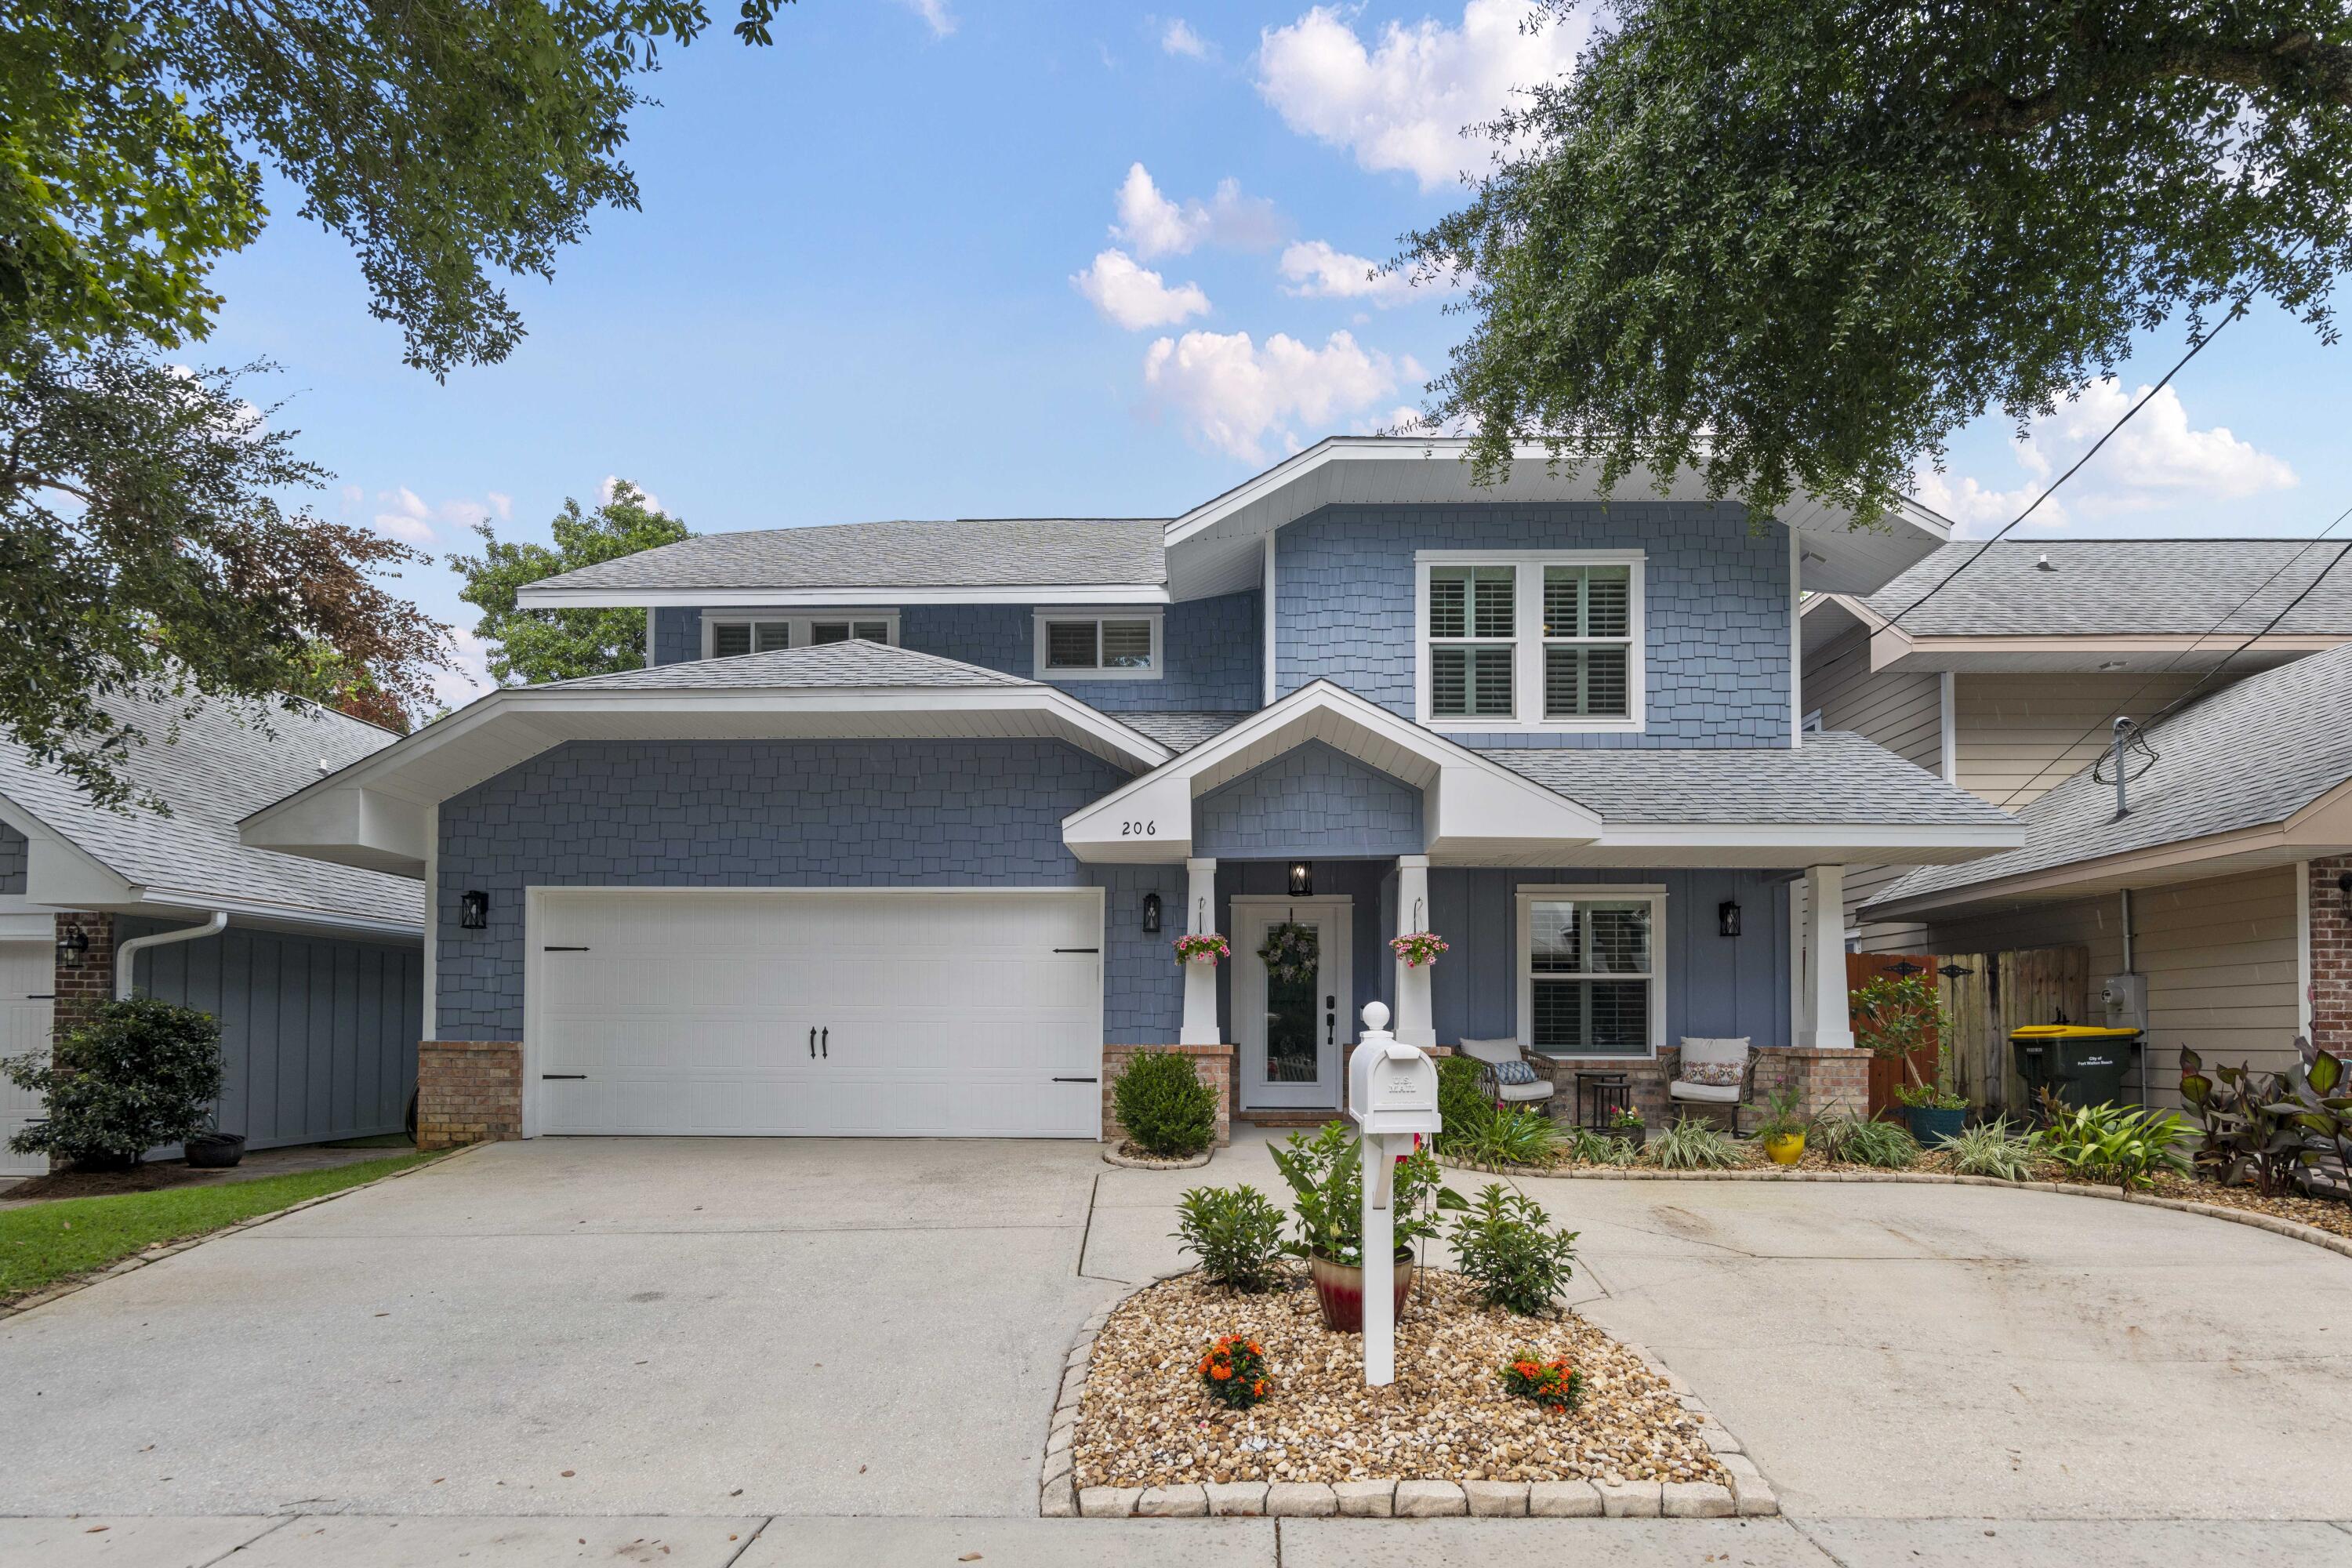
[1749, 1496]
[1111, 1156]
[2294, 1229]
[156, 1254]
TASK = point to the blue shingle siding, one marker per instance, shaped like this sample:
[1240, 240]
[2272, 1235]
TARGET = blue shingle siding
[1715, 985]
[1716, 616]
[1311, 800]
[1212, 648]
[13, 854]
[1143, 986]
[743, 814]
[678, 636]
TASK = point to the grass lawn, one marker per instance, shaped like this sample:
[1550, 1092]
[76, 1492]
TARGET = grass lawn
[42, 1243]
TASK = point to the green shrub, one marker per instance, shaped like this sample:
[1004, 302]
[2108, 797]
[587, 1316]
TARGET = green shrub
[1463, 1107]
[2250, 1134]
[2109, 1143]
[139, 1074]
[1690, 1144]
[1235, 1233]
[1517, 1136]
[1166, 1109]
[1599, 1148]
[1860, 1141]
[1326, 1194]
[1507, 1247]
[1990, 1149]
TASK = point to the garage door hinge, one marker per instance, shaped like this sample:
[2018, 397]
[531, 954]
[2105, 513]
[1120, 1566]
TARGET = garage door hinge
[562, 949]
[1078, 1080]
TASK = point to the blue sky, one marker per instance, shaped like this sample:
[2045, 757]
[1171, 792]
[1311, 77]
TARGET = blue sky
[941, 259]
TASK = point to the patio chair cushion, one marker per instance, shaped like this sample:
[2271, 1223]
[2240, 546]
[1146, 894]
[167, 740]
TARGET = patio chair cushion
[1703, 1048]
[1716, 1094]
[1492, 1052]
[1714, 1075]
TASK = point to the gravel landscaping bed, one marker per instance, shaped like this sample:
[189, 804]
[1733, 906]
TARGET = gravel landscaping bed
[1144, 1422]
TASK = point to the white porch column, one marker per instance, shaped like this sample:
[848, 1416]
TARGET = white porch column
[1415, 1024]
[1826, 1011]
[1201, 979]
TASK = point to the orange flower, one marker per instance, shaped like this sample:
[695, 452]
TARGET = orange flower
[1221, 1372]
[1204, 1366]
[1258, 1388]
[1256, 1349]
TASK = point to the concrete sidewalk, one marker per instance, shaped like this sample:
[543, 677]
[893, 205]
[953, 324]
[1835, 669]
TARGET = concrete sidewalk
[342, 1540]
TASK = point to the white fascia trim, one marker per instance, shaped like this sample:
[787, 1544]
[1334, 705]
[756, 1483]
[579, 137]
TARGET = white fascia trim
[1948, 734]
[1987, 839]
[1266, 596]
[849, 594]
[169, 902]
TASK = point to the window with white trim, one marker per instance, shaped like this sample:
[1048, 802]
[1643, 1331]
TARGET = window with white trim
[1589, 966]
[726, 636]
[1088, 645]
[1530, 639]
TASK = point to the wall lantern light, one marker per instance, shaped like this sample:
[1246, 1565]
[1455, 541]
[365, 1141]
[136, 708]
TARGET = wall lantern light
[1302, 878]
[72, 944]
[2343, 886]
[474, 910]
[1726, 918]
[1151, 914]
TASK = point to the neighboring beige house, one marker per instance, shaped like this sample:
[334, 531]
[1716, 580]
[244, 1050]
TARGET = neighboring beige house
[2220, 884]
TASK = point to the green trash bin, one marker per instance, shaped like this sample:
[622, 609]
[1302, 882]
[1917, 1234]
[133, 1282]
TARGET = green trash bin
[2082, 1064]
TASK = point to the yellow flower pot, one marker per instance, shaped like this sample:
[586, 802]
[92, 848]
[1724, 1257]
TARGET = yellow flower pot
[1786, 1149]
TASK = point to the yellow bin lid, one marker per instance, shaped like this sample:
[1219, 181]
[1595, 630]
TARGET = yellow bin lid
[2069, 1032]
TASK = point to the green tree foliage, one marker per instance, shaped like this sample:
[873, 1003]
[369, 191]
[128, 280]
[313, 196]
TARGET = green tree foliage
[145, 557]
[442, 140]
[534, 646]
[1797, 243]
[139, 1074]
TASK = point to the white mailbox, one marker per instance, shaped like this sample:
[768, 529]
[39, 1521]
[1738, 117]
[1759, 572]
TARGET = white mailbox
[1392, 1086]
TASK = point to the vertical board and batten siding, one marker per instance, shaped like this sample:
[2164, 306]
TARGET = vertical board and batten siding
[2021, 736]
[2221, 956]
[1901, 711]
[318, 1034]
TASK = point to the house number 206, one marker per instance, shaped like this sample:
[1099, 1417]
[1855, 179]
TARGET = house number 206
[1139, 829]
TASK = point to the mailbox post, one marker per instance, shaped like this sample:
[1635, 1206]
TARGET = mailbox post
[1391, 1093]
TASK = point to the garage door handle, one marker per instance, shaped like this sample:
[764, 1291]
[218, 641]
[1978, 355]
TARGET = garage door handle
[827, 1043]
[41, 996]
[1077, 950]
[1078, 1080]
[562, 949]
[549, 1075]
[812, 1042]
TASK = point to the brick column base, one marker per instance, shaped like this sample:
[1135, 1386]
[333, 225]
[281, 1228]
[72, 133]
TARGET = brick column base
[1214, 1063]
[1829, 1082]
[2331, 956]
[85, 985]
[467, 1091]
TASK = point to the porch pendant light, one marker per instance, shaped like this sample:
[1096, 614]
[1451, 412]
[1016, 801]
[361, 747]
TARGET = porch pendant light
[1302, 878]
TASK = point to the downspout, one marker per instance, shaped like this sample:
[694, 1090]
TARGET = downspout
[2128, 932]
[126, 957]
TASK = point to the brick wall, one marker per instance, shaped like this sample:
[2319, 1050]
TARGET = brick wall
[1214, 1063]
[1828, 1082]
[467, 1091]
[84, 986]
[2331, 956]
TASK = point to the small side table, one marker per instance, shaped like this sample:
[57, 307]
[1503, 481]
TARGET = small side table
[1606, 1093]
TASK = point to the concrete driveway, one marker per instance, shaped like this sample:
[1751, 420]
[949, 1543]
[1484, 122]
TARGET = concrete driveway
[717, 1326]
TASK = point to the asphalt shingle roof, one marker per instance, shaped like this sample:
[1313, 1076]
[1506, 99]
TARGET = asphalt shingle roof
[1833, 778]
[2118, 587]
[843, 665]
[226, 761]
[2250, 754]
[1180, 732]
[857, 557]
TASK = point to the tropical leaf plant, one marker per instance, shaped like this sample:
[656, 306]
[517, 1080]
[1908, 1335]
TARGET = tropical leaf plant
[2319, 1109]
[1326, 1194]
[2110, 1143]
[2247, 1139]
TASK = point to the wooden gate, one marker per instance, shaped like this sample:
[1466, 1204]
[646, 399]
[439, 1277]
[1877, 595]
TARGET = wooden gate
[1887, 1072]
[1987, 994]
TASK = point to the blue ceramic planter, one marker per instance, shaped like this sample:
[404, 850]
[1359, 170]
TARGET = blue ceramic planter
[1933, 1127]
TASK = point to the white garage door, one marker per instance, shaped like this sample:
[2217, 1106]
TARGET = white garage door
[27, 969]
[958, 1015]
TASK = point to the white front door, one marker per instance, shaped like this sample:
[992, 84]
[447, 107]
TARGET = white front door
[1293, 1029]
[28, 971]
[954, 1014]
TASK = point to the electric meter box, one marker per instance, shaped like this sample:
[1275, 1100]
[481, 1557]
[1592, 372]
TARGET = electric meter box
[1391, 1089]
[2124, 998]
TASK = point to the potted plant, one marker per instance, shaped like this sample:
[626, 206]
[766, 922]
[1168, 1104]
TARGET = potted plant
[1203, 947]
[1417, 948]
[1625, 1123]
[214, 1150]
[1325, 1177]
[1896, 1017]
[1778, 1127]
[1935, 1114]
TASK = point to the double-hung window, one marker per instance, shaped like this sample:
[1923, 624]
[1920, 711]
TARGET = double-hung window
[1086, 645]
[1589, 970]
[1530, 640]
[726, 636]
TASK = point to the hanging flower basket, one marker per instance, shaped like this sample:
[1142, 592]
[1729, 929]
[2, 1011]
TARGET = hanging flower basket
[1291, 952]
[1207, 947]
[1417, 948]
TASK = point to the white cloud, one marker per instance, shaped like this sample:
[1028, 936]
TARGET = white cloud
[2155, 462]
[606, 490]
[353, 495]
[1154, 225]
[935, 14]
[1316, 269]
[1135, 297]
[1177, 38]
[1233, 396]
[471, 676]
[1402, 100]
[503, 505]
[406, 516]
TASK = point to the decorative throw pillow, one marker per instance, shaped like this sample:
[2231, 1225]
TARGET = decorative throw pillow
[1716, 1075]
[1513, 1073]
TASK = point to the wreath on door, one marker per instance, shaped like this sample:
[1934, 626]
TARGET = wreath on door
[1290, 952]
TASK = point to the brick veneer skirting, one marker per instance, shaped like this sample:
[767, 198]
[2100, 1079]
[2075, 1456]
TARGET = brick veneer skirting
[2331, 956]
[1213, 1063]
[1835, 1081]
[467, 1091]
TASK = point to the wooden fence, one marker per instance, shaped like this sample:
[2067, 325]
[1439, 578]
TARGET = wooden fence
[1987, 994]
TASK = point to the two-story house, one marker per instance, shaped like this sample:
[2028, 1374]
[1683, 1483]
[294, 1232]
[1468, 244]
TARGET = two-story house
[894, 832]
[2207, 886]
